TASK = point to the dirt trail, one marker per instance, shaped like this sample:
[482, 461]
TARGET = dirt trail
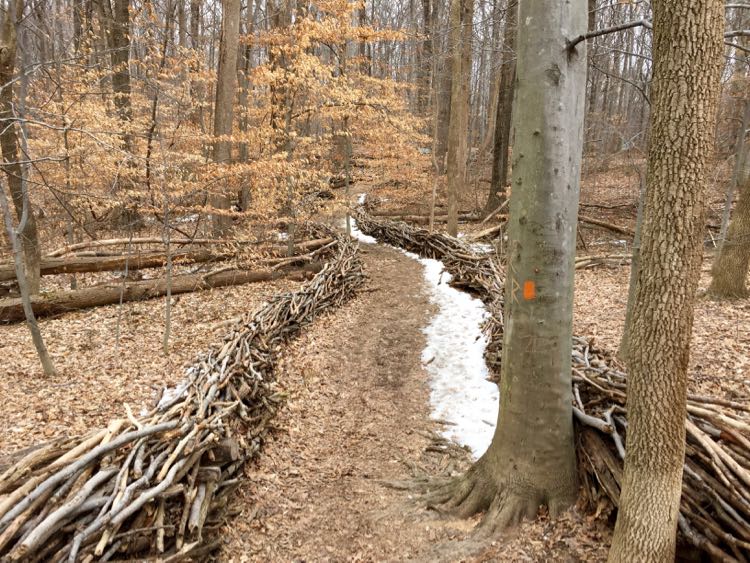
[357, 415]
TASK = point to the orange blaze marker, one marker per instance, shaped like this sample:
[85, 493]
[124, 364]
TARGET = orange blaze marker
[529, 290]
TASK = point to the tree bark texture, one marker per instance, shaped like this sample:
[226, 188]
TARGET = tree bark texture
[501, 141]
[729, 271]
[14, 172]
[226, 85]
[687, 48]
[531, 460]
[425, 58]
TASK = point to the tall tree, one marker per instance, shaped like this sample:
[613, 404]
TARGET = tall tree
[14, 171]
[501, 142]
[226, 84]
[687, 62]
[531, 460]
[460, 16]
[729, 270]
[117, 19]
[425, 57]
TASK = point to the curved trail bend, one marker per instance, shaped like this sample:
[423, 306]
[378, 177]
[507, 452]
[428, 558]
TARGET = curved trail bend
[358, 414]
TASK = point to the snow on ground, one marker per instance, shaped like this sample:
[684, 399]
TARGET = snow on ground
[454, 357]
[480, 247]
[356, 233]
[359, 235]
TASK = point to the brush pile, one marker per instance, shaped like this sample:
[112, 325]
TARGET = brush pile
[157, 486]
[715, 506]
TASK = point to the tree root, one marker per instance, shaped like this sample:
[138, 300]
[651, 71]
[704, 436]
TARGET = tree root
[505, 502]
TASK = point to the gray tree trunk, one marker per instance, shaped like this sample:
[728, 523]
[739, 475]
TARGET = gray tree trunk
[457, 128]
[531, 460]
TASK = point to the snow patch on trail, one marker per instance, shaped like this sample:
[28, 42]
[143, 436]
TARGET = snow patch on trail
[356, 233]
[460, 393]
[454, 358]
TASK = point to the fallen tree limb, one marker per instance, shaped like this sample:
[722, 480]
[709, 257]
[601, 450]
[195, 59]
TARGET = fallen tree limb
[144, 240]
[425, 219]
[75, 264]
[11, 310]
[155, 488]
[605, 225]
[487, 232]
[583, 262]
[715, 504]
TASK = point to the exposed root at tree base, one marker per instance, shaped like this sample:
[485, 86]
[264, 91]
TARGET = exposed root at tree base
[479, 490]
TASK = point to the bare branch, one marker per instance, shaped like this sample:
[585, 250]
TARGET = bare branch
[607, 30]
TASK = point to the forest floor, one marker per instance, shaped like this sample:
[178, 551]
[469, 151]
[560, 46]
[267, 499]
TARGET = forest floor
[358, 413]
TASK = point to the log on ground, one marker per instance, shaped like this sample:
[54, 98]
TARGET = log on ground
[81, 264]
[11, 310]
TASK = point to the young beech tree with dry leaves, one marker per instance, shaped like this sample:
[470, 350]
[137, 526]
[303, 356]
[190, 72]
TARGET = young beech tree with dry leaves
[688, 45]
[531, 460]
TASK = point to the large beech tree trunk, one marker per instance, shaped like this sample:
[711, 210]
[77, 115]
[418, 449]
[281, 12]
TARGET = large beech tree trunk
[14, 172]
[687, 61]
[531, 460]
[226, 85]
[501, 142]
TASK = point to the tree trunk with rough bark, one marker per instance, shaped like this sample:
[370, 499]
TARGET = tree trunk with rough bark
[501, 142]
[531, 460]
[226, 84]
[687, 49]
[15, 174]
[729, 270]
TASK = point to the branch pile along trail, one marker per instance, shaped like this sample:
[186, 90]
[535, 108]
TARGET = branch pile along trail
[157, 486]
[715, 506]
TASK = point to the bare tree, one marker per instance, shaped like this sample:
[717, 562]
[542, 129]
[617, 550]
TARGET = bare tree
[729, 270]
[461, 11]
[688, 46]
[14, 234]
[531, 460]
[28, 238]
[501, 142]
[224, 107]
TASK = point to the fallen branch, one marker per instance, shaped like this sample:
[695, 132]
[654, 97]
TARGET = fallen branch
[608, 226]
[70, 265]
[11, 310]
[487, 232]
[145, 240]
